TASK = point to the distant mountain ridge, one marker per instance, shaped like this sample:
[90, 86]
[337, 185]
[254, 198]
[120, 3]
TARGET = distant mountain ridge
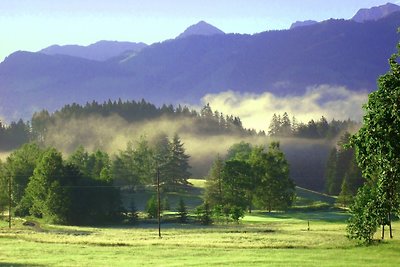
[303, 23]
[375, 13]
[100, 51]
[334, 52]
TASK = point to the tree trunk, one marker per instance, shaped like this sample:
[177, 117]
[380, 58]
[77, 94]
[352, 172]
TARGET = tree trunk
[383, 230]
[390, 225]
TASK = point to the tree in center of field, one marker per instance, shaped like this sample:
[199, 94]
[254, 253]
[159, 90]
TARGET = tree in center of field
[275, 189]
[378, 155]
[250, 176]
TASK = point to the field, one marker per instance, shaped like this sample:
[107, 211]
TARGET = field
[260, 239]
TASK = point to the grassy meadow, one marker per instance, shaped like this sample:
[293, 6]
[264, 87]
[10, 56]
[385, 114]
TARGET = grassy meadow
[260, 239]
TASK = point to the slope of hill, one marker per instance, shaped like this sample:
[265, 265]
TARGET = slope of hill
[100, 51]
[336, 52]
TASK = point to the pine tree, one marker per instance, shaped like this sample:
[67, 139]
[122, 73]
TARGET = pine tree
[182, 211]
[179, 162]
[214, 183]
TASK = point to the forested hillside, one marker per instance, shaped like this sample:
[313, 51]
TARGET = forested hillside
[111, 125]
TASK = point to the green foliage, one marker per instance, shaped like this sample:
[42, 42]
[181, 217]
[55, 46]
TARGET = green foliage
[19, 167]
[152, 207]
[59, 191]
[365, 220]
[236, 213]
[251, 175]
[345, 197]
[214, 182]
[203, 213]
[275, 189]
[378, 155]
[48, 198]
[239, 151]
[14, 135]
[236, 177]
[133, 215]
[342, 164]
[182, 211]
[281, 126]
[165, 204]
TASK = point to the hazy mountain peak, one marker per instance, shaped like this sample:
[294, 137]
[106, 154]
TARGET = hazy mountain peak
[302, 23]
[375, 13]
[200, 28]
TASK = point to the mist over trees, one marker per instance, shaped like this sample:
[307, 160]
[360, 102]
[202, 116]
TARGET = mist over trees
[283, 126]
[110, 125]
[85, 187]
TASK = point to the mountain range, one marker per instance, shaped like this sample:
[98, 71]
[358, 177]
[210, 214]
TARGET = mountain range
[202, 60]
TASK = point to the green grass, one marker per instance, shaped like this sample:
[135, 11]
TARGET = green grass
[276, 239]
[260, 239]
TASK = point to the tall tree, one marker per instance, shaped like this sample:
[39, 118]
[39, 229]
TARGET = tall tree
[275, 190]
[378, 154]
[19, 167]
[49, 199]
[214, 183]
[179, 162]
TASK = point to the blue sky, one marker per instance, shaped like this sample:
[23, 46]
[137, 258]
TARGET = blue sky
[35, 24]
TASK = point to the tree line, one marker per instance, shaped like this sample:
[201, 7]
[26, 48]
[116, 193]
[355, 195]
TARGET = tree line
[206, 121]
[283, 126]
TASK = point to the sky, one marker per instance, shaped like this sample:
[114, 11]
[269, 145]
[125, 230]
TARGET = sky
[32, 25]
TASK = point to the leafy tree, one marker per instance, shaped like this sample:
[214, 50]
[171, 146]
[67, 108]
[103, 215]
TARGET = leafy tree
[378, 155]
[19, 167]
[236, 177]
[364, 222]
[239, 151]
[275, 189]
[236, 213]
[49, 199]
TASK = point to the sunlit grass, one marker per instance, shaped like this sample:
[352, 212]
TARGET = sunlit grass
[260, 239]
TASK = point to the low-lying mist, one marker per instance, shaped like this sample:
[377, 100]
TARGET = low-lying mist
[256, 110]
[4, 155]
[112, 134]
